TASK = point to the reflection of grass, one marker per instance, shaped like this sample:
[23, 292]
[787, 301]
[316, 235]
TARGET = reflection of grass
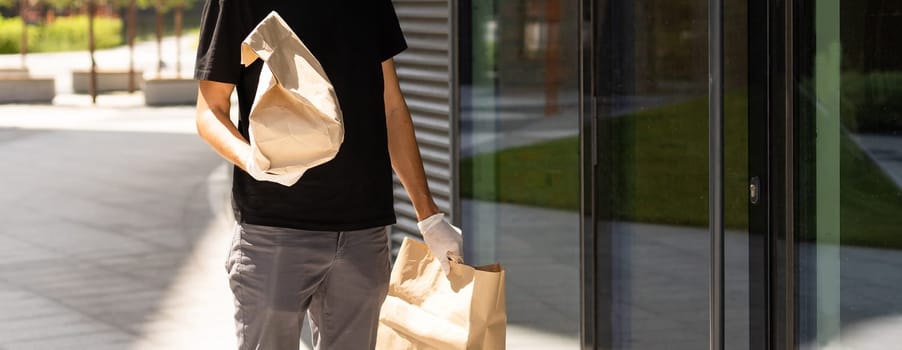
[661, 174]
[545, 175]
[663, 165]
[870, 202]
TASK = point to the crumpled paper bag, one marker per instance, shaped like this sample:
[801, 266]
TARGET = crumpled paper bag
[295, 121]
[427, 310]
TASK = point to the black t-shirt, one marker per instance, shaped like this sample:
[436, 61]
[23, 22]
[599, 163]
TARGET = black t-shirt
[351, 39]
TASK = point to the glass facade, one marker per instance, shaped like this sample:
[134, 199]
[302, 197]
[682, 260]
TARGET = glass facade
[651, 83]
[812, 153]
[519, 160]
[849, 134]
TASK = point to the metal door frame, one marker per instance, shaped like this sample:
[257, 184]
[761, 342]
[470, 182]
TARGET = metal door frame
[771, 162]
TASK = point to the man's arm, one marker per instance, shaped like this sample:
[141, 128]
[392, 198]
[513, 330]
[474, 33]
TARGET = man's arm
[214, 125]
[402, 145]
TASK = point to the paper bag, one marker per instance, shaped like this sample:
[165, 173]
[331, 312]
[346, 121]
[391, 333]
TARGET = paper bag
[295, 121]
[425, 310]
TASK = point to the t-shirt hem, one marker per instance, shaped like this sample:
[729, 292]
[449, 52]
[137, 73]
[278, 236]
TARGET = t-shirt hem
[309, 226]
[208, 75]
[393, 52]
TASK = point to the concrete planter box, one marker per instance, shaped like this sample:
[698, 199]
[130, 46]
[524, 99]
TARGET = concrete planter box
[107, 81]
[13, 73]
[25, 89]
[162, 92]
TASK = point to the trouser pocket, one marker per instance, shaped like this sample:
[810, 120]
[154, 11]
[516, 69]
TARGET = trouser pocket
[233, 248]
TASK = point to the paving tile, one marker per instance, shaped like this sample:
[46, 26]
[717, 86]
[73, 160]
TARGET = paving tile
[90, 340]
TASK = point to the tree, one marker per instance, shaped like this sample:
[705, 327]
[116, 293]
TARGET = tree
[132, 7]
[179, 6]
[61, 5]
[90, 7]
[162, 7]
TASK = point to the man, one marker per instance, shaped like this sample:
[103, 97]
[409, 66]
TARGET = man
[319, 246]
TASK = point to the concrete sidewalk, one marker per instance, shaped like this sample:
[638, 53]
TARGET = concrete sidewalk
[117, 224]
[117, 228]
[113, 238]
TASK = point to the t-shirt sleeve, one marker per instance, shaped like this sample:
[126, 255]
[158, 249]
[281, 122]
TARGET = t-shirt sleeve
[392, 42]
[219, 44]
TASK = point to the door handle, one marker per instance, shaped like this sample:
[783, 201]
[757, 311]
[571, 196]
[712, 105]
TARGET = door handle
[754, 190]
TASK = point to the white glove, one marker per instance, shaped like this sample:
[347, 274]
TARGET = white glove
[444, 240]
[257, 166]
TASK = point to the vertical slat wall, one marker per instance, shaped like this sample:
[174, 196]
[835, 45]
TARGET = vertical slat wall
[425, 74]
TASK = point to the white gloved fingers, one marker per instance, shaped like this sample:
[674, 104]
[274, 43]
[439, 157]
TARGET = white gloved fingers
[429, 222]
[444, 240]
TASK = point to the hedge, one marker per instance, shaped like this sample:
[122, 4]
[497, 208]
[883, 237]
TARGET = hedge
[63, 34]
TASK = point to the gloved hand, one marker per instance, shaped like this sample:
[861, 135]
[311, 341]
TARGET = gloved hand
[444, 240]
[257, 167]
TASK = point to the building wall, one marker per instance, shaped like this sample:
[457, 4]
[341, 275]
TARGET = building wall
[425, 73]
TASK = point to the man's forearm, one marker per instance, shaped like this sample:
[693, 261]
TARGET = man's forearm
[407, 163]
[216, 128]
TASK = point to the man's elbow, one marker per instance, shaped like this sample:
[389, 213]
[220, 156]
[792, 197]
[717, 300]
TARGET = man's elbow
[396, 114]
[200, 128]
[213, 103]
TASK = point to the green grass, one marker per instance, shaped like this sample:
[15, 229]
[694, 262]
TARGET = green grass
[661, 174]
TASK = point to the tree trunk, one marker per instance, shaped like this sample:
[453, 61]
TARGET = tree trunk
[179, 10]
[93, 85]
[23, 43]
[132, 14]
[553, 15]
[159, 7]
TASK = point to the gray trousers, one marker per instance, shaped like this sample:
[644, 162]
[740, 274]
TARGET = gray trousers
[338, 279]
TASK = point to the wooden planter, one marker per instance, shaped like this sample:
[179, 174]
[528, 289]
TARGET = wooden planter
[162, 92]
[107, 81]
[21, 88]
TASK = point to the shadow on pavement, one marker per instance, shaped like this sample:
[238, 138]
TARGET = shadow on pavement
[98, 228]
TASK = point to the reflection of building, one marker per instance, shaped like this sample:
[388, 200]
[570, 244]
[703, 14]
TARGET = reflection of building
[878, 23]
[570, 139]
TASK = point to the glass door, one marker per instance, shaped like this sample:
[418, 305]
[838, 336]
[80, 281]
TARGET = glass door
[647, 194]
[812, 174]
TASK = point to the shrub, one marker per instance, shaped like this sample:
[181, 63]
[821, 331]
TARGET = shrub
[11, 34]
[71, 33]
[63, 34]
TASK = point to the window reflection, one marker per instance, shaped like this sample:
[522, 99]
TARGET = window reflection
[850, 193]
[653, 181]
[519, 178]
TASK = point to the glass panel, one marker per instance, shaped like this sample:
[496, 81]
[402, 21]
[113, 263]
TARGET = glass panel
[652, 181]
[519, 168]
[737, 286]
[849, 130]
